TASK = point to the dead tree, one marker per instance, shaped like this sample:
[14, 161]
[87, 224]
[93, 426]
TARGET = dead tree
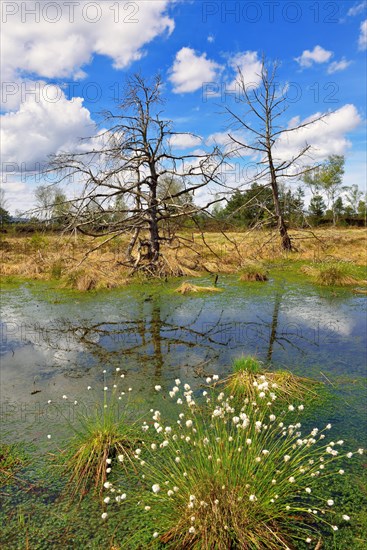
[265, 105]
[129, 163]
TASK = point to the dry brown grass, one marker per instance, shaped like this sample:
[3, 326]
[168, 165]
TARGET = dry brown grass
[61, 257]
[188, 288]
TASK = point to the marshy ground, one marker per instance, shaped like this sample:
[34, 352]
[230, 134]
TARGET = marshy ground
[65, 258]
[58, 339]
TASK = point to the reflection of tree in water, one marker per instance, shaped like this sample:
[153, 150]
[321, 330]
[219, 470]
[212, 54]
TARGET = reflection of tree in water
[151, 340]
[274, 326]
[289, 335]
[148, 340]
[264, 336]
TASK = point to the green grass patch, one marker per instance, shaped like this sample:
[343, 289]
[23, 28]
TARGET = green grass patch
[249, 374]
[332, 273]
[12, 459]
[231, 475]
[253, 272]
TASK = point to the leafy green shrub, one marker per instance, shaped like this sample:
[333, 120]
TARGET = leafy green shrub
[38, 241]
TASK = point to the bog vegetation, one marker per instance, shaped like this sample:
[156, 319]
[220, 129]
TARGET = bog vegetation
[227, 465]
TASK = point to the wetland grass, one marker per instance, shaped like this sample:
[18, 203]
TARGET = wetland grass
[331, 273]
[253, 272]
[12, 459]
[100, 434]
[58, 256]
[188, 288]
[248, 374]
[230, 475]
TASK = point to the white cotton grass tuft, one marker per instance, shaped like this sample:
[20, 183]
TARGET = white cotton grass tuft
[101, 440]
[199, 448]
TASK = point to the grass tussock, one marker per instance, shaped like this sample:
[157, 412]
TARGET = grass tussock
[85, 458]
[253, 272]
[92, 278]
[249, 373]
[230, 475]
[331, 273]
[100, 434]
[188, 288]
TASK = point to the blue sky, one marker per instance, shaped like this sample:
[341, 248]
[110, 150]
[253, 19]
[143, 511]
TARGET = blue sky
[196, 47]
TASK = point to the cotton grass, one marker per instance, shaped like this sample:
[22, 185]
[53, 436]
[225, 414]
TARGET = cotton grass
[249, 375]
[231, 475]
[100, 433]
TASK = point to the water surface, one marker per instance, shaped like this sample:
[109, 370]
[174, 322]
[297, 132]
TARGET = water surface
[56, 342]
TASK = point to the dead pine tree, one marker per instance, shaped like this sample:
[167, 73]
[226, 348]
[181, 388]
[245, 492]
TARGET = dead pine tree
[261, 121]
[132, 181]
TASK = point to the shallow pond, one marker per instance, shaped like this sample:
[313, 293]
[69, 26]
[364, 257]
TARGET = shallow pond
[58, 342]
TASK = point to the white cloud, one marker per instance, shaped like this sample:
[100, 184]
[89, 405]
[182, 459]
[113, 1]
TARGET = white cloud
[190, 70]
[218, 138]
[326, 136]
[357, 9]
[324, 315]
[336, 66]
[18, 192]
[362, 40]
[40, 128]
[250, 66]
[185, 141]
[317, 55]
[211, 38]
[62, 48]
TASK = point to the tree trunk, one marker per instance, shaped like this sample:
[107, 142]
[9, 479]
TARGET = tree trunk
[154, 237]
[132, 242]
[282, 228]
[286, 241]
[153, 222]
